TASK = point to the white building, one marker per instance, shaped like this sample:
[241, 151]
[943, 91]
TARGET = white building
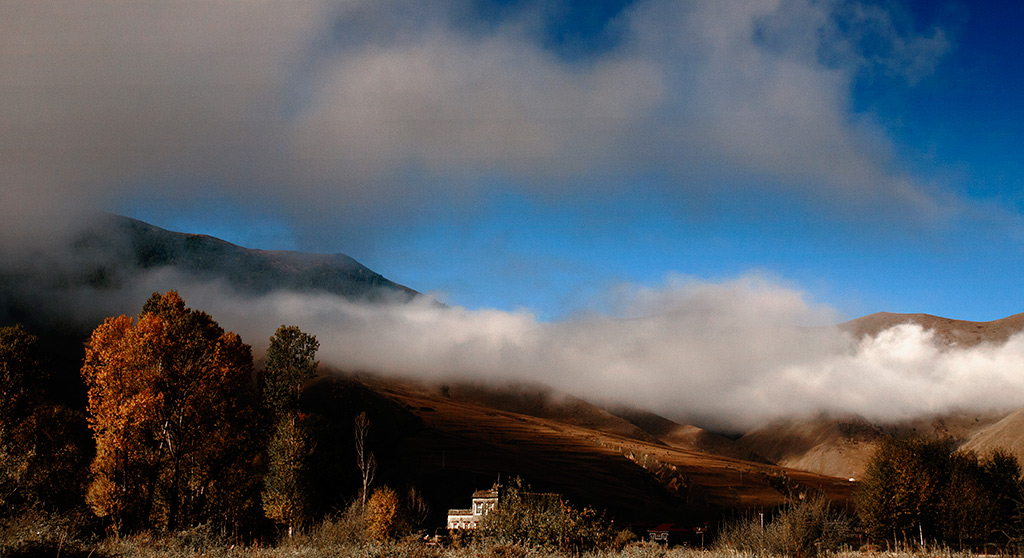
[483, 502]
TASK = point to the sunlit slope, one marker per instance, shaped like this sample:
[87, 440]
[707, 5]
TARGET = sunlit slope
[1007, 434]
[954, 333]
[843, 447]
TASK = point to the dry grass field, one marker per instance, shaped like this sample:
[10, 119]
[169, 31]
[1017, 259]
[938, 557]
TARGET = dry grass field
[37, 537]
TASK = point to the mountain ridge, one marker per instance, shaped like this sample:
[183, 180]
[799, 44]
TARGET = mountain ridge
[251, 270]
[953, 332]
[44, 287]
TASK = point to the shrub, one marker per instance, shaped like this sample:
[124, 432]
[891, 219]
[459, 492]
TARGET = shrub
[806, 528]
[382, 517]
[544, 520]
[623, 539]
[345, 528]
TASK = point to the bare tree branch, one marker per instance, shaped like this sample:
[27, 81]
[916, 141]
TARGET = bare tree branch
[364, 458]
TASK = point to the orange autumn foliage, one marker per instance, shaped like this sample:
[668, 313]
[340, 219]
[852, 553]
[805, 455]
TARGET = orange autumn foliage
[172, 409]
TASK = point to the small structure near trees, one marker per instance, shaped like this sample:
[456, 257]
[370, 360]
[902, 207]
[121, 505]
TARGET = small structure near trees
[483, 502]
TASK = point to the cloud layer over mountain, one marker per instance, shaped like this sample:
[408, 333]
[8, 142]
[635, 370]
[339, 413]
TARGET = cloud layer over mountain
[729, 354]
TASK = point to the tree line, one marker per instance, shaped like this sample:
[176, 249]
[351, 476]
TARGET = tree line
[916, 493]
[179, 428]
[919, 491]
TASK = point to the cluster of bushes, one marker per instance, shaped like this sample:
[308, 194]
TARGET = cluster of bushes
[803, 528]
[547, 521]
[386, 526]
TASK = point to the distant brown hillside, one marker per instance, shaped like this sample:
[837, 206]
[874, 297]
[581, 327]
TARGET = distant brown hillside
[1007, 434]
[461, 438]
[544, 402]
[687, 436]
[843, 446]
[840, 448]
[960, 333]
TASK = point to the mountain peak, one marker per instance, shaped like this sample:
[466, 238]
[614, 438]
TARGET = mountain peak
[961, 333]
[128, 246]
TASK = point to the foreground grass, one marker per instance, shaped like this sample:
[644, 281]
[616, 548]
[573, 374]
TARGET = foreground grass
[38, 536]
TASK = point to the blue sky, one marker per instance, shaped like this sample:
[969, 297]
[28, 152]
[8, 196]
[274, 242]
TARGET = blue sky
[537, 154]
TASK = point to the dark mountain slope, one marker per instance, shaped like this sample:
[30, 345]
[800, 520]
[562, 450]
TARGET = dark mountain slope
[123, 246]
[687, 436]
[74, 284]
[63, 290]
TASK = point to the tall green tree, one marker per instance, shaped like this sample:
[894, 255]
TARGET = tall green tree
[291, 360]
[171, 406]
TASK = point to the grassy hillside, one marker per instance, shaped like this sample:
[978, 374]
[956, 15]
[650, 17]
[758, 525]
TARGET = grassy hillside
[1006, 434]
[452, 445]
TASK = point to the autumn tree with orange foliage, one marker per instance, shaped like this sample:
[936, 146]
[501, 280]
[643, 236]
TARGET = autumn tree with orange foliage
[171, 406]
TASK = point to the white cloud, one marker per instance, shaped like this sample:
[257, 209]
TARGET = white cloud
[730, 353]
